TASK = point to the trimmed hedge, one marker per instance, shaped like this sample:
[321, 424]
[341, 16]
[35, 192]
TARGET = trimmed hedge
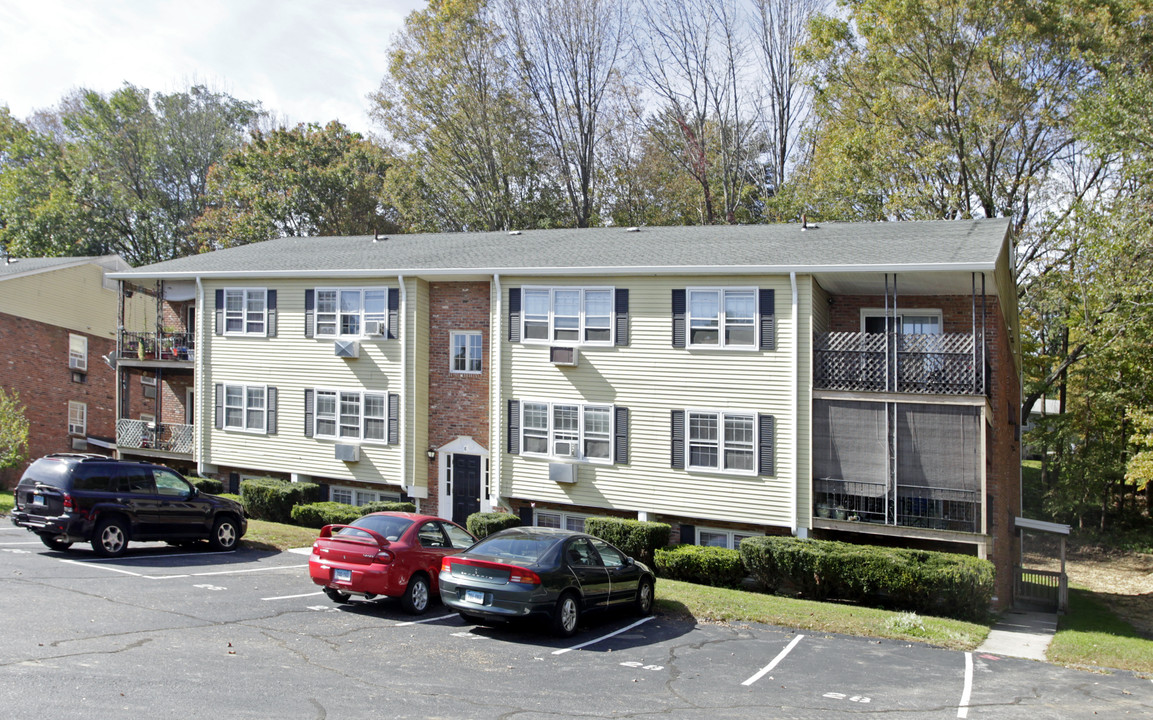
[271, 499]
[715, 566]
[211, 486]
[931, 583]
[317, 515]
[483, 524]
[385, 506]
[637, 539]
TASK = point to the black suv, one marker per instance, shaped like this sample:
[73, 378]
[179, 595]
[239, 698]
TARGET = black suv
[69, 498]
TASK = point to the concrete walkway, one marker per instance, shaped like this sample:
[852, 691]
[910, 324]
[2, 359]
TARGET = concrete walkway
[1022, 634]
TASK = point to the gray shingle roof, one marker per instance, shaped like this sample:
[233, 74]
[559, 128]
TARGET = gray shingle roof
[938, 245]
[25, 266]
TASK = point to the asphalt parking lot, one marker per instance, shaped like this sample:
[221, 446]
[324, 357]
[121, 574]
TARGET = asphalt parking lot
[163, 632]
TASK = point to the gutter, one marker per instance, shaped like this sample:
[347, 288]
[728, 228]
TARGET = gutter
[406, 452]
[794, 382]
[496, 452]
[198, 377]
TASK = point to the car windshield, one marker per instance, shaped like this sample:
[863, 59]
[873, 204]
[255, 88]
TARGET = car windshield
[514, 546]
[390, 527]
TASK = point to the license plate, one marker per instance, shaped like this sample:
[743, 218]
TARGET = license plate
[342, 575]
[474, 596]
[38, 500]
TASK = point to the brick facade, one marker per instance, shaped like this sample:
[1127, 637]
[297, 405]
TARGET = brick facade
[34, 363]
[457, 402]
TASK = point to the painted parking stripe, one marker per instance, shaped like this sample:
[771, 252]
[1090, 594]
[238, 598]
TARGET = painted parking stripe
[426, 620]
[290, 597]
[562, 651]
[768, 668]
[96, 564]
[22, 542]
[963, 708]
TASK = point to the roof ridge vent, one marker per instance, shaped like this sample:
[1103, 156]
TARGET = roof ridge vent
[514, 232]
[634, 228]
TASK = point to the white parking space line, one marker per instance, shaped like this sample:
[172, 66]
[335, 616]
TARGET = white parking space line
[22, 542]
[96, 564]
[963, 708]
[426, 620]
[562, 651]
[290, 597]
[768, 668]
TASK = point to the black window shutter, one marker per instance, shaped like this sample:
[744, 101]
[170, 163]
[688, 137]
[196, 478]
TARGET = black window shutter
[514, 427]
[514, 315]
[688, 534]
[678, 433]
[621, 436]
[678, 318]
[393, 313]
[393, 418]
[768, 309]
[525, 514]
[765, 445]
[219, 406]
[309, 411]
[219, 312]
[309, 313]
[272, 418]
[622, 317]
[271, 313]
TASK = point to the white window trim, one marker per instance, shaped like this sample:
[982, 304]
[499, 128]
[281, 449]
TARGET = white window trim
[78, 356]
[721, 344]
[245, 293]
[564, 517]
[77, 418]
[467, 334]
[263, 429]
[689, 412]
[552, 440]
[337, 334]
[580, 341]
[361, 497]
[336, 417]
[729, 535]
[902, 312]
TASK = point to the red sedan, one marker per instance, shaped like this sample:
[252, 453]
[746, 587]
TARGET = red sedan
[386, 553]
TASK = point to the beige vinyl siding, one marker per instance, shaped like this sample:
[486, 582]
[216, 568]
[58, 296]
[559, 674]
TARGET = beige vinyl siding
[70, 297]
[651, 378]
[292, 363]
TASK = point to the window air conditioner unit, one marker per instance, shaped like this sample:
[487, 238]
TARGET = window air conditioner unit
[347, 349]
[562, 472]
[77, 363]
[373, 327]
[566, 356]
[79, 443]
[348, 453]
[564, 448]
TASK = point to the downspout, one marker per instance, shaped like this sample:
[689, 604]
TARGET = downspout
[496, 452]
[198, 377]
[405, 450]
[795, 382]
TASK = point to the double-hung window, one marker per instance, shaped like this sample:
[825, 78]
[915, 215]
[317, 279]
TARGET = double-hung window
[714, 537]
[567, 430]
[467, 348]
[246, 407]
[245, 311]
[77, 352]
[557, 519]
[722, 317]
[722, 441]
[352, 415]
[572, 315]
[351, 312]
[77, 418]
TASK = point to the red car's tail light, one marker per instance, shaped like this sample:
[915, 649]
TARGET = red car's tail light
[445, 565]
[384, 557]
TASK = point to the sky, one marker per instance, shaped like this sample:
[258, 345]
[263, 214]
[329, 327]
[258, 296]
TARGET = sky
[304, 60]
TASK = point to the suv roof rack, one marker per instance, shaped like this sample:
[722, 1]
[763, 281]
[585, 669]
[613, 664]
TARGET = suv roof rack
[81, 456]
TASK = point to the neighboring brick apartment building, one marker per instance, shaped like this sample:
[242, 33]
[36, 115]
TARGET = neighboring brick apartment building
[57, 320]
[853, 381]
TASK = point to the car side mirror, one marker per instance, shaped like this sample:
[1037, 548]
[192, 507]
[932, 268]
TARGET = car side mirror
[193, 492]
[629, 561]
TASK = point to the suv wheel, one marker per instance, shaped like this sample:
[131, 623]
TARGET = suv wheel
[224, 535]
[111, 538]
[53, 543]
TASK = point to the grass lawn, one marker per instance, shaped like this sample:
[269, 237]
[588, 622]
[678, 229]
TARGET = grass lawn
[1090, 635]
[7, 502]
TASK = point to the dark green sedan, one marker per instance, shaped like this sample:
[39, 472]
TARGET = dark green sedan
[543, 572]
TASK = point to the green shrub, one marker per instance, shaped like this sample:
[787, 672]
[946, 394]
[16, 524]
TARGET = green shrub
[715, 566]
[383, 506]
[636, 538]
[317, 515]
[230, 496]
[272, 499]
[483, 524]
[931, 583]
[211, 486]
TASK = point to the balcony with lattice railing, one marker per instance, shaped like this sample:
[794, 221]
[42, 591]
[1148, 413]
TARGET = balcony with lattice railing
[950, 364]
[162, 437]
